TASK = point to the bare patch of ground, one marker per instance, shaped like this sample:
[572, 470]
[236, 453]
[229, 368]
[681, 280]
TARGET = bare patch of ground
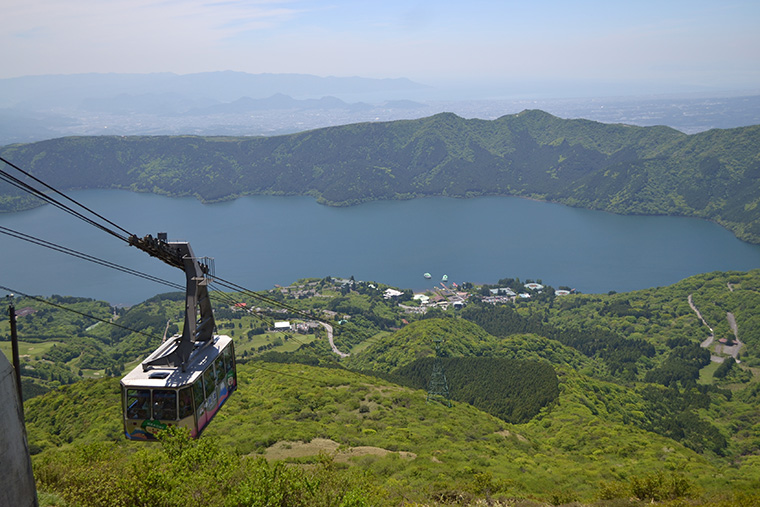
[507, 434]
[284, 450]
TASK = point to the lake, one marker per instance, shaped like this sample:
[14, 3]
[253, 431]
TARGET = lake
[258, 242]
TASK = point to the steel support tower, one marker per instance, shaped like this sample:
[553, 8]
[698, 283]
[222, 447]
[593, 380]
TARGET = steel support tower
[438, 389]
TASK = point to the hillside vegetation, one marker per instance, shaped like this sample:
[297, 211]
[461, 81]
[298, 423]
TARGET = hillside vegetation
[617, 168]
[607, 399]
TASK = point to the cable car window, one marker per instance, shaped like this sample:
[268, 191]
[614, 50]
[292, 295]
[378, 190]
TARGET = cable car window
[228, 358]
[186, 402]
[208, 381]
[198, 393]
[219, 367]
[138, 403]
[164, 404]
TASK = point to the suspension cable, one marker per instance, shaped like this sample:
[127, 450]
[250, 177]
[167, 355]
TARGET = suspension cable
[18, 183]
[12, 291]
[268, 300]
[267, 320]
[87, 257]
[38, 193]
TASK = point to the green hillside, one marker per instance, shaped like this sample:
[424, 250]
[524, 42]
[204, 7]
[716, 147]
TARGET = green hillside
[588, 445]
[601, 399]
[617, 168]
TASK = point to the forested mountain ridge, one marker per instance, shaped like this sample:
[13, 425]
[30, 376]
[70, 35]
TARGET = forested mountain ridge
[612, 167]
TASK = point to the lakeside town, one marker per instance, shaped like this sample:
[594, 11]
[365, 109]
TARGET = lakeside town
[445, 295]
[334, 291]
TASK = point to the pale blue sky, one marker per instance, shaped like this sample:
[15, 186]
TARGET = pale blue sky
[666, 44]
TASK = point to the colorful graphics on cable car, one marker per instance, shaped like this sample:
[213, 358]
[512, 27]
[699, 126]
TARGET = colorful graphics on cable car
[158, 398]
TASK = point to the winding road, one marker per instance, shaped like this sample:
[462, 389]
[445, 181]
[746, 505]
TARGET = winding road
[329, 329]
[732, 350]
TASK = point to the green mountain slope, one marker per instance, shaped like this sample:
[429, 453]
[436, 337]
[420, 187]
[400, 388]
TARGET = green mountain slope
[540, 412]
[617, 168]
[409, 449]
[416, 341]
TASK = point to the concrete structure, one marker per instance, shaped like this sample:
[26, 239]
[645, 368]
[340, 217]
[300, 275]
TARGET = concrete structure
[282, 326]
[17, 486]
[392, 293]
[422, 298]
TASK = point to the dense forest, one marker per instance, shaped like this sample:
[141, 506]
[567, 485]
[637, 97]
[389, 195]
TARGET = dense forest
[512, 390]
[617, 168]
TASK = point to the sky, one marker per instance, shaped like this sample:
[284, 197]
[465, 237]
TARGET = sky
[663, 45]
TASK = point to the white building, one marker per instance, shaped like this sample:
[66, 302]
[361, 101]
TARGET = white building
[422, 298]
[392, 293]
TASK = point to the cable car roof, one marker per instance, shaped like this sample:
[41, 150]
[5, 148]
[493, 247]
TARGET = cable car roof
[158, 377]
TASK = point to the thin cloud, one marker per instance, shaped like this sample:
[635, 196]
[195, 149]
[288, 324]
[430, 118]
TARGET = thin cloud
[697, 41]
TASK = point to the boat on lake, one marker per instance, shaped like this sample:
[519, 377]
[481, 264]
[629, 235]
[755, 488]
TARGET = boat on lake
[427, 276]
[445, 278]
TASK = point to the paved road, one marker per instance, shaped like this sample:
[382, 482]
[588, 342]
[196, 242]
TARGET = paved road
[329, 329]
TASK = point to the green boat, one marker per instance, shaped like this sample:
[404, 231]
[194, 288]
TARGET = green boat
[427, 276]
[445, 278]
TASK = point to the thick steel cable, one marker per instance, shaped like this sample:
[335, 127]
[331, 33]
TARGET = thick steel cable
[12, 291]
[87, 257]
[37, 192]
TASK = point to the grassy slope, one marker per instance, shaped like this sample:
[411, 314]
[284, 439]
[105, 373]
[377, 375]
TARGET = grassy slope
[593, 433]
[573, 446]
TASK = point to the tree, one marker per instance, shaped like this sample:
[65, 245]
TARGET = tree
[725, 368]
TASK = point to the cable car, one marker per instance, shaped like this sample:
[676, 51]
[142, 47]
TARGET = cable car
[161, 397]
[187, 379]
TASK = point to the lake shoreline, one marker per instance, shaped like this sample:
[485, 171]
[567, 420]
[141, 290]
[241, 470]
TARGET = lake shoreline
[260, 241]
[321, 201]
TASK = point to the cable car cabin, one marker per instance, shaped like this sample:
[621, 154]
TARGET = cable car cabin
[155, 399]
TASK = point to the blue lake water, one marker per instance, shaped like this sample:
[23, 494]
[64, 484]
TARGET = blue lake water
[258, 242]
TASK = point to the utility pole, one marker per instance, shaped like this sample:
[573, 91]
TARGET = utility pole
[14, 344]
[438, 390]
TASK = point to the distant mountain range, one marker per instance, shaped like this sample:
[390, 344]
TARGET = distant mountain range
[617, 168]
[70, 90]
[169, 105]
[35, 108]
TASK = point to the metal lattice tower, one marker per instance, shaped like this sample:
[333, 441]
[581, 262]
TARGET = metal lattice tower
[438, 389]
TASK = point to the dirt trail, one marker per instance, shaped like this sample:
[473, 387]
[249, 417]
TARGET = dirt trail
[732, 350]
[729, 350]
[710, 339]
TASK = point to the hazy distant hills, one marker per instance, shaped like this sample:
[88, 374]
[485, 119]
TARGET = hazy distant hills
[72, 89]
[617, 168]
[36, 108]
[172, 105]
